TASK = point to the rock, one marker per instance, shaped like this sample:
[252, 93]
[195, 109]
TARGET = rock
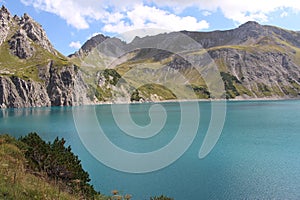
[262, 74]
[16, 93]
[5, 19]
[62, 87]
[254, 61]
[35, 32]
[20, 46]
[66, 87]
[27, 31]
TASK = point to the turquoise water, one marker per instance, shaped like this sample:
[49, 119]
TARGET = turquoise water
[256, 157]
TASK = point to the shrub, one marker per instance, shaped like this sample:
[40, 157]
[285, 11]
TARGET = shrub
[58, 162]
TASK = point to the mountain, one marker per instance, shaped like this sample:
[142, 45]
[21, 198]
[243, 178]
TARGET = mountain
[251, 61]
[254, 61]
[32, 72]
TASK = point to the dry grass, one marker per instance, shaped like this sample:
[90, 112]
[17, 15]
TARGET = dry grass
[16, 182]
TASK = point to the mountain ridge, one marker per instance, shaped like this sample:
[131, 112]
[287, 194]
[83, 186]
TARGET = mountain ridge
[32, 72]
[254, 61]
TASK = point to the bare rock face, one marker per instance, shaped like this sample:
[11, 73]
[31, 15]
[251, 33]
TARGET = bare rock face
[59, 84]
[93, 42]
[62, 87]
[27, 32]
[20, 46]
[16, 93]
[66, 87]
[255, 61]
[262, 74]
[5, 19]
[35, 32]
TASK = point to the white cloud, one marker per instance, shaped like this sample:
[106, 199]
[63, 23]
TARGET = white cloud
[237, 10]
[75, 45]
[284, 14]
[206, 13]
[80, 13]
[92, 35]
[113, 17]
[141, 17]
[75, 12]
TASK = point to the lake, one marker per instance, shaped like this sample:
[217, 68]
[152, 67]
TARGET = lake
[256, 157]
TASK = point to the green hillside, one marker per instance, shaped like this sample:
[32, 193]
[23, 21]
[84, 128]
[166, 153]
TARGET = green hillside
[21, 177]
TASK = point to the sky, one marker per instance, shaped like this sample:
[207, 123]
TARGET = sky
[70, 23]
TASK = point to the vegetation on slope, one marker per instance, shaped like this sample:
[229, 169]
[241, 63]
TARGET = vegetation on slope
[33, 169]
[28, 68]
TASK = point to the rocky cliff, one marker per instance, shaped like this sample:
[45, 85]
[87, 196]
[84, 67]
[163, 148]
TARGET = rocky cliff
[254, 61]
[59, 87]
[32, 72]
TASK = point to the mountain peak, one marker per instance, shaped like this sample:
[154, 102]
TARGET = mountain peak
[23, 32]
[5, 19]
[93, 42]
[250, 24]
[26, 18]
[4, 10]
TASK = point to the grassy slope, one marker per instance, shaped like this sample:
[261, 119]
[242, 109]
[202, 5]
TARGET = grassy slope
[27, 68]
[17, 183]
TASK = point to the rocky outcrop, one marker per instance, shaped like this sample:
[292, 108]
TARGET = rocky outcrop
[32, 83]
[254, 61]
[261, 73]
[5, 19]
[104, 45]
[16, 93]
[92, 43]
[66, 87]
[20, 46]
[36, 33]
[22, 33]
[246, 34]
[62, 86]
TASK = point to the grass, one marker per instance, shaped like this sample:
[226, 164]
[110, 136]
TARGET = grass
[19, 181]
[297, 56]
[264, 89]
[27, 68]
[162, 92]
[141, 64]
[16, 182]
[291, 91]
[276, 90]
[139, 73]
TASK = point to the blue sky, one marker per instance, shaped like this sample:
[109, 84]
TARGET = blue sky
[69, 23]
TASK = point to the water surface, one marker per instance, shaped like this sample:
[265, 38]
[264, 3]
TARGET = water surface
[257, 156]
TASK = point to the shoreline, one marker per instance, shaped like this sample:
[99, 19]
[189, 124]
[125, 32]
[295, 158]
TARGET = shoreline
[199, 100]
[164, 101]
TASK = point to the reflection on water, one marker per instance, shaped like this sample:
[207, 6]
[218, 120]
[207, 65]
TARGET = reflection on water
[257, 156]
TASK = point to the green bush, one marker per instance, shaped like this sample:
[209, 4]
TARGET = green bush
[58, 162]
[135, 96]
[107, 73]
[230, 81]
